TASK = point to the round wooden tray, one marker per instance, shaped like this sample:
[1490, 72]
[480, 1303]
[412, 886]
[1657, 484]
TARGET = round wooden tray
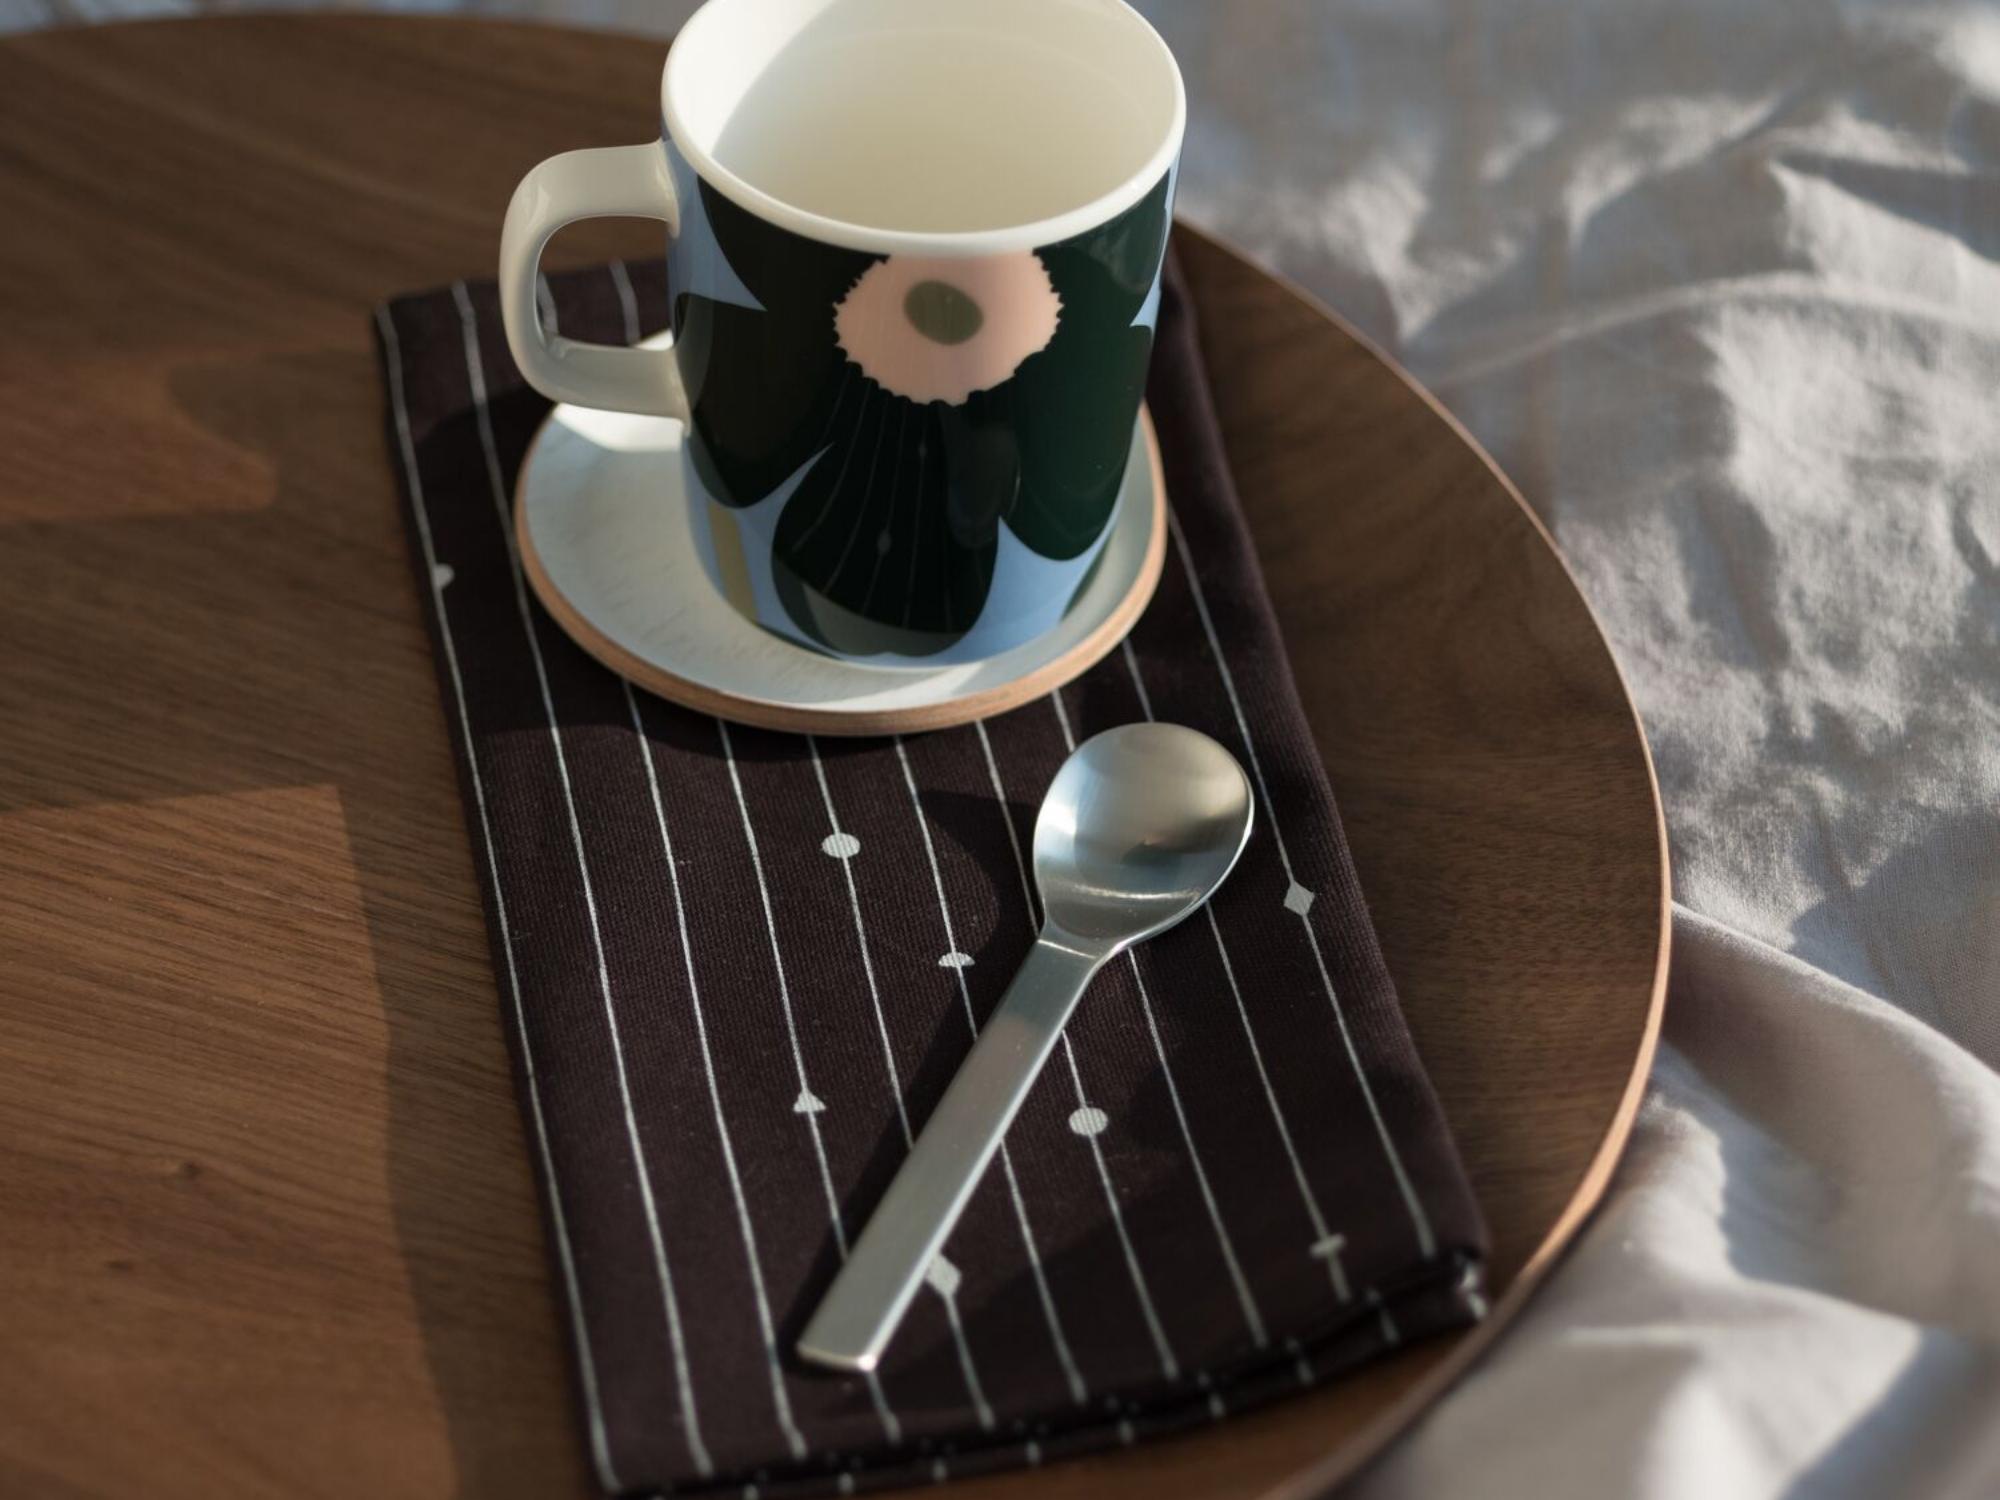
[248, 999]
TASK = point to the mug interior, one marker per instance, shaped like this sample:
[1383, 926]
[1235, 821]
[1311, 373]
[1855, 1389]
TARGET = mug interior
[947, 126]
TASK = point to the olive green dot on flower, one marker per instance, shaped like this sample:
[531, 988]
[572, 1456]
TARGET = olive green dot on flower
[942, 313]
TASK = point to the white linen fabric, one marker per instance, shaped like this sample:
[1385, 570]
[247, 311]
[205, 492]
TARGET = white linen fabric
[1716, 284]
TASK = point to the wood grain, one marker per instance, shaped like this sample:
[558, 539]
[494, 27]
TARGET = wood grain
[832, 719]
[266, 1223]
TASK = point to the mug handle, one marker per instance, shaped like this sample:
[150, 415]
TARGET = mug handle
[610, 181]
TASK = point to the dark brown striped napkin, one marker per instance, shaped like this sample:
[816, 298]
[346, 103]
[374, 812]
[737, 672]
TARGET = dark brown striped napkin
[738, 969]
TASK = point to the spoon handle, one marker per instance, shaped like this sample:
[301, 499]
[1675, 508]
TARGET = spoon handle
[866, 1302]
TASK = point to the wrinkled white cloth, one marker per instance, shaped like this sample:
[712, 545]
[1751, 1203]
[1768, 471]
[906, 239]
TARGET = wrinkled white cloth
[1715, 282]
[1716, 285]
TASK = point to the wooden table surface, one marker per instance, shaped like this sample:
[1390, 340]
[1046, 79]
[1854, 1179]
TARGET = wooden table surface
[266, 1220]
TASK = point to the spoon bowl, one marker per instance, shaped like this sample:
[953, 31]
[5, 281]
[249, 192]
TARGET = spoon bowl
[1139, 826]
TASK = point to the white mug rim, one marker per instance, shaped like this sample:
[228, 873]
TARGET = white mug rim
[1002, 240]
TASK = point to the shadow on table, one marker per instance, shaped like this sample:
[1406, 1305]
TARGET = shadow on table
[326, 576]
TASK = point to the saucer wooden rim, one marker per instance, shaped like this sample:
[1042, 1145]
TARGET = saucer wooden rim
[813, 719]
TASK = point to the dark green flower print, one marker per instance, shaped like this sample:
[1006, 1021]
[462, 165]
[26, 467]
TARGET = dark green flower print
[913, 409]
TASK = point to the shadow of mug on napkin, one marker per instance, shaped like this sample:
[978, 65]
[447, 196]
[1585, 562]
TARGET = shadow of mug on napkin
[915, 250]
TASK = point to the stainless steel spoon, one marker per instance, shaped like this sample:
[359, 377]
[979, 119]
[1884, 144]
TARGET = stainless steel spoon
[1139, 827]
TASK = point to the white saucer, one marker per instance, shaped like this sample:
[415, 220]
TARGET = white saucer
[601, 515]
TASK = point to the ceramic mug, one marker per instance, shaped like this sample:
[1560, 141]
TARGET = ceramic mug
[914, 255]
